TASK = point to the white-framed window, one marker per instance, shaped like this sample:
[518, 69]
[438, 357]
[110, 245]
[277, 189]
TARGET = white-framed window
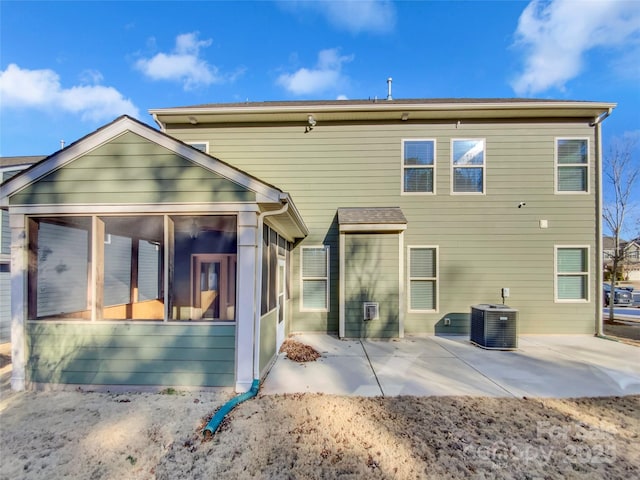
[468, 166]
[423, 278]
[571, 273]
[202, 146]
[418, 166]
[572, 165]
[314, 275]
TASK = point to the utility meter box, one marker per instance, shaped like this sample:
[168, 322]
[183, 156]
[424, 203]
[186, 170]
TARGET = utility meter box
[494, 326]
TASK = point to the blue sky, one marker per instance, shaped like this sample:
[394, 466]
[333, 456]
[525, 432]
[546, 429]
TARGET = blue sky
[66, 68]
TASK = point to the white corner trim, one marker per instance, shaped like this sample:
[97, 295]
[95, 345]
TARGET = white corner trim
[341, 287]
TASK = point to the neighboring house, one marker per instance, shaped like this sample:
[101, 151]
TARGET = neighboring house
[406, 213]
[632, 261]
[630, 265]
[9, 166]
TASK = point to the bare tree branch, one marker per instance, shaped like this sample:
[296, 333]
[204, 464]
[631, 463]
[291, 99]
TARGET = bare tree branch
[622, 172]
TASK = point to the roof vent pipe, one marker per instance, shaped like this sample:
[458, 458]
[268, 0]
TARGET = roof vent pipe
[389, 81]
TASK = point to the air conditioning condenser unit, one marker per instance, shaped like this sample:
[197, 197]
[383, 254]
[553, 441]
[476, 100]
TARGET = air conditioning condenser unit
[494, 326]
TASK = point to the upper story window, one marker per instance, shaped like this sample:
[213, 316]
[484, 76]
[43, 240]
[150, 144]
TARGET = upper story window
[418, 166]
[202, 146]
[572, 165]
[468, 166]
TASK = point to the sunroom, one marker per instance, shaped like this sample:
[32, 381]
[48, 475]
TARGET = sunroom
[137, 262]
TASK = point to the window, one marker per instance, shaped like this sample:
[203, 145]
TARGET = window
[423, 278]
[75, 274]
[572, 274]
[315, 278]
[572, 165]
[418, 166]
[202, 146]
[468, 164]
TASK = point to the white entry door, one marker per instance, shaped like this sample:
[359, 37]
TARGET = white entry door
[282, 282]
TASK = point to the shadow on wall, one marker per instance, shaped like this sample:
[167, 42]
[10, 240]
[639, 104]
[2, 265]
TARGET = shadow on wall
[371, 276]
[454, 323]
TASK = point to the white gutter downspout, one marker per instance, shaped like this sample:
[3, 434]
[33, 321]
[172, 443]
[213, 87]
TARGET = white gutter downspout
[159, 123]
[599, 249]
[258, 285]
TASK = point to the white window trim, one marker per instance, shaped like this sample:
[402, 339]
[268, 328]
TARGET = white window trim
[556, 274]
[302, 279]
[435, 279]
[556, 165]
[403, 166]
[198, 142]
[483, 166]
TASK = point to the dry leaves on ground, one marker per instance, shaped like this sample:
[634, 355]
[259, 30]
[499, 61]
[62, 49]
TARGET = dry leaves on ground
[298, 351]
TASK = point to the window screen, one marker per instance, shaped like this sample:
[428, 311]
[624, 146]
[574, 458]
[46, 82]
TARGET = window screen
[572, 163]
[418, 166]
[422, 278]
[468, 164]
[315, 278]
[572, 273]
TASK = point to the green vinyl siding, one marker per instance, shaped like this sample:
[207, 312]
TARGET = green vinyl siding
[268, 324]
[131, 354]
[130, 169]
[371, 275]
[5, 303]
[485, 242]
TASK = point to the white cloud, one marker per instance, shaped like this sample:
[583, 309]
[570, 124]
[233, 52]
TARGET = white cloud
[184, 64]
[355, 16]
[557, 34]
[23, 88]
[326, 74]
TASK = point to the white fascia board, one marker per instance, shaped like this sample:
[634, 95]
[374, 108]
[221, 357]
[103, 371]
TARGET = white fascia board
[264, 192]
[295, 213]
[373, 227]
[381, 105]
[139, 208]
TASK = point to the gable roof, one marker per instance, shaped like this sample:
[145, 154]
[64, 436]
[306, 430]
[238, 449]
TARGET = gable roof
[381, 110]
[267, 196]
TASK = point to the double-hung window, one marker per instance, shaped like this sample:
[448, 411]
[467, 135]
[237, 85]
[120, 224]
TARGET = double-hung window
[315, 278]
[418, 166]
[572, 273]
[423, 279]
[468, 165]
[572, 165]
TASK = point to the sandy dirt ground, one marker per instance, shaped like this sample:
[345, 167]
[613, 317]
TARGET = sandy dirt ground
[88, 435]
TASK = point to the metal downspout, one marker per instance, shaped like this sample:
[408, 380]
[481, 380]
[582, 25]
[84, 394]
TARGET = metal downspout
[258, 284]
[597, 123]
[217, 419]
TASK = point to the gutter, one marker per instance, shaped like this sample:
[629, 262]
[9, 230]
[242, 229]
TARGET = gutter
[258, 284]
[217, 419]
[159, 123]
[597, 123]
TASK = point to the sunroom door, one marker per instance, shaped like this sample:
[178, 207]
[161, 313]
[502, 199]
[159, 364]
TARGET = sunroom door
[282, 282]
[213, 287]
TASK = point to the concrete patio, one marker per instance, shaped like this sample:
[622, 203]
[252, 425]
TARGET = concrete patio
[542, 366]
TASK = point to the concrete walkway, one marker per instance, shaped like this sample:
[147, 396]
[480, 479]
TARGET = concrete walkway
[542, 366]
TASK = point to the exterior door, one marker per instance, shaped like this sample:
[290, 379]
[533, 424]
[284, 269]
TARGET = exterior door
[282, 282]
[213, 292]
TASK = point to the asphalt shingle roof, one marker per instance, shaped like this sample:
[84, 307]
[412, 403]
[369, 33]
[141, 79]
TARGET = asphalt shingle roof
[371, 215]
